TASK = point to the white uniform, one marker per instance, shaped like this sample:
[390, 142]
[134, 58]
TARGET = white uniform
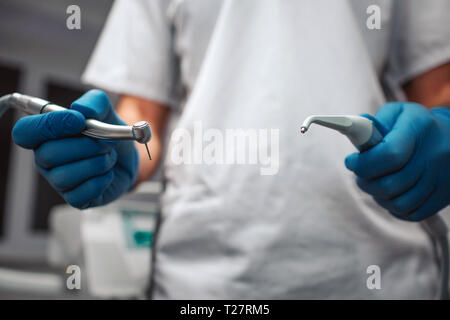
[306, 232]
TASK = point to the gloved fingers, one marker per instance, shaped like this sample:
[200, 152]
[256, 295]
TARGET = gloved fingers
[403, 205]
[388, 156]
[54, 153]
[88, 191]
[436, 202]
[95, 104]
[122, 183]
[67, 177]
[130, 162]
[387, 115]
[392, 185]
[31, 131]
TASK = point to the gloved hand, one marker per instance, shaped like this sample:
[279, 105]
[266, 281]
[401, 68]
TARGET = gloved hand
[408, 173]
[86, 172]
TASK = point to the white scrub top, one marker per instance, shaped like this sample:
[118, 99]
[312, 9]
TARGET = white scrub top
[227, 231]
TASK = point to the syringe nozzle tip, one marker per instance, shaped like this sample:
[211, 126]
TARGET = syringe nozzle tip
[303, 129]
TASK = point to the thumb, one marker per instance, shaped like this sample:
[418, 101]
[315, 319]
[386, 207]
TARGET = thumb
[30, 132]
[95, 104]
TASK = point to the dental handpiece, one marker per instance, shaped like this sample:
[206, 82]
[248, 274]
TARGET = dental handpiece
[140, 132]
[365, 132]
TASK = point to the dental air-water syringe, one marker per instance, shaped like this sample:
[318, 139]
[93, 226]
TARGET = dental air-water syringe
[140, 132]
[365, 132]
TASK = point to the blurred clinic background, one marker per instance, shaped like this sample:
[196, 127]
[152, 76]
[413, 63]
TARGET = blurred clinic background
[43, 241]
[40, 236]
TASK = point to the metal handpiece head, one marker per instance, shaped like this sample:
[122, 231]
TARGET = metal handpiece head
[142, 133]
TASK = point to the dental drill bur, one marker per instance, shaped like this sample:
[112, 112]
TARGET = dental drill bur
[140, 132]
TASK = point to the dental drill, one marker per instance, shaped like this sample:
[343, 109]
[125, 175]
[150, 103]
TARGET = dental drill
[140, 132]
[365, 132]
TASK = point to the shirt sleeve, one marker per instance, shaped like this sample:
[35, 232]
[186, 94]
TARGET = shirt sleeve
[420, 40]
[134, 54]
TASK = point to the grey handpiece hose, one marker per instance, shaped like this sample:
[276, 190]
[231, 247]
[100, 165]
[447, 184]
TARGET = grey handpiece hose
[364, 133]
[435, 226]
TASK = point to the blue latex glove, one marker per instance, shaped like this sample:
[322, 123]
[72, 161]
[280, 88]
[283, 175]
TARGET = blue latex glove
[86, 172]
[408, 173]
